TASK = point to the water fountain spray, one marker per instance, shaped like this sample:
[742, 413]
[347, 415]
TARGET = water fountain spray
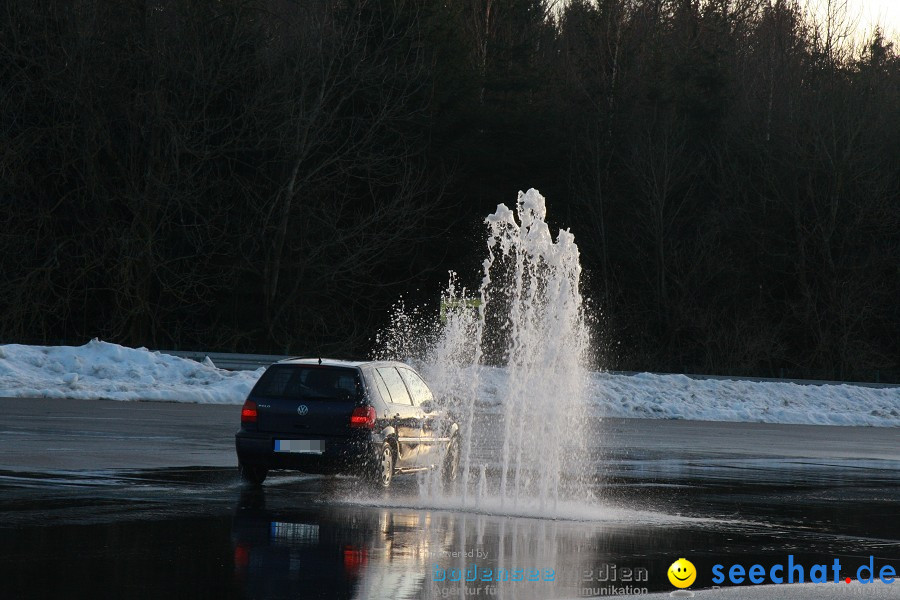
[527, 340]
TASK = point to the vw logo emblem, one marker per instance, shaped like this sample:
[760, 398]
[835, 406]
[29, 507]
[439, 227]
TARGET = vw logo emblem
[302, 410]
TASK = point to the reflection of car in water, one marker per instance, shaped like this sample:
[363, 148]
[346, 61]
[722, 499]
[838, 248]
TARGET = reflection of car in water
[346, 552]
[371, 418]
[336, 550]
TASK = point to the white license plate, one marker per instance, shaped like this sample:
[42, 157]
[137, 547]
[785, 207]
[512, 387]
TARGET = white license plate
[295, 532]
[300, 446]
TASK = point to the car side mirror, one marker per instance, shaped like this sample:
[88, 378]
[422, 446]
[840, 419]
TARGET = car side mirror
[427, 406]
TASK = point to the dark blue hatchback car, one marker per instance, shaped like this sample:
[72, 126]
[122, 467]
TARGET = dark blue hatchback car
[374, 419]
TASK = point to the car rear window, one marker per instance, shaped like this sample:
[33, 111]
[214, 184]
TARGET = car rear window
[308, 382]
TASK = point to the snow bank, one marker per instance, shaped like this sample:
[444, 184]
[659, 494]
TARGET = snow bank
[650, 396]
[679, 397]
[103, 370]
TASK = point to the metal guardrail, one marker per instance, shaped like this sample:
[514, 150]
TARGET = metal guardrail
[251, 362]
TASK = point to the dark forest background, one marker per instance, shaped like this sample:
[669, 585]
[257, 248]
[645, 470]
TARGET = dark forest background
[270, 176]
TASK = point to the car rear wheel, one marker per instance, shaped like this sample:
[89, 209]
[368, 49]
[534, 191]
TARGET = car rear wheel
[252, 474]
[383, 470]
[451, 460]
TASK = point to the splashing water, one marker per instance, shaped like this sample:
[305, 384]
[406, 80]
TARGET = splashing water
[525, 339]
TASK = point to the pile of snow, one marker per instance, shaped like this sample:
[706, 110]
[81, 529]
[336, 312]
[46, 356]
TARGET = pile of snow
[652, 396]
[103, 370]
[679, 397]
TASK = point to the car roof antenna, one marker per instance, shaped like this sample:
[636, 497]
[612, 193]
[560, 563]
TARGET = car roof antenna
[320, 360]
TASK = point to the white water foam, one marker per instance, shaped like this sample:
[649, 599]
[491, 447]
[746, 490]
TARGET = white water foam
[565, 510]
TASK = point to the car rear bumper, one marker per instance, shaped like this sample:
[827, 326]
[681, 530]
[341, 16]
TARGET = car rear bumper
[341, 455]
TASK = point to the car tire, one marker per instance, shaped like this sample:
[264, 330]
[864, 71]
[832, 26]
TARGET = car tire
[252, 475]
[382, 472]
[451, 460]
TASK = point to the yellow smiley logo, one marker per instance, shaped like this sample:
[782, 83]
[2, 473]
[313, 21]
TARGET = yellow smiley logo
[682, 573]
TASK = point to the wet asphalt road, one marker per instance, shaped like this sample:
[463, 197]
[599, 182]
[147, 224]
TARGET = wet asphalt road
[103, 499]
[44, 434]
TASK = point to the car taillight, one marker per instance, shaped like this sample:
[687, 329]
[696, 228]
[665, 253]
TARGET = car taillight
[354, 559]
[363, 416]
[241, 556]
[248, 412]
